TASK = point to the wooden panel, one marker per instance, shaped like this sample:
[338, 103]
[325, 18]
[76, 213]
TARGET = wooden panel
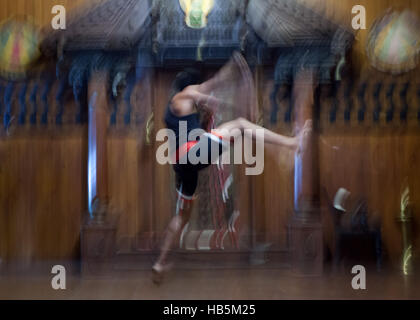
[372, 161]
[130, 187]
[42, 195]
[130, 170]
[43, 184]
[374, 166]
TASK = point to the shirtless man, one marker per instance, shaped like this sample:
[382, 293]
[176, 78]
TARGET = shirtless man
[191, 99]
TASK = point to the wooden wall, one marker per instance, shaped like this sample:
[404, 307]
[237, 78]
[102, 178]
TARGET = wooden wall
[43, 174]
[377, 166]
[131, 165]
[42, 194]
[373, 161]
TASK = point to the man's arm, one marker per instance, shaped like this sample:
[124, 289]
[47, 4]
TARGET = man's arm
[200, 99]
[219, 79]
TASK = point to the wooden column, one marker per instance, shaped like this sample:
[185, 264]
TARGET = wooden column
[306, 228]
[98, 235]
[97, 150]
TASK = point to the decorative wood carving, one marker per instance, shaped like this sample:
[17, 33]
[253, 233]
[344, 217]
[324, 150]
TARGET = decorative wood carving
[97, 153]
[109, 25]
[287, 23]
[22, 103]
[157, 28]
[8, 94]
[33, 100]
[174, 40]
[307, 254]
[362, 102]
[97, 249]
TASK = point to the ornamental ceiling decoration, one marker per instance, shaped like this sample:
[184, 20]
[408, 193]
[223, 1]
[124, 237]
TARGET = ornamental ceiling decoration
[196, 12]
[289, 23]
[109, 25]
[171, 25]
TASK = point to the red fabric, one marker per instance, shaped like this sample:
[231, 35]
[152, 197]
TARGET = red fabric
[183, 150]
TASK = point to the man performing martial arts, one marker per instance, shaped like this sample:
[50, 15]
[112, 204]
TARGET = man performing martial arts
[192, 102]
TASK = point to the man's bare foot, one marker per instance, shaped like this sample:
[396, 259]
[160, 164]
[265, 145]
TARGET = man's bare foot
[158, 272]
[303, 137]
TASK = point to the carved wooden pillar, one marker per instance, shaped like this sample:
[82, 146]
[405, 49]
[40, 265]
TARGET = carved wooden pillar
[99, 232]
[306, 228]
[97, 150]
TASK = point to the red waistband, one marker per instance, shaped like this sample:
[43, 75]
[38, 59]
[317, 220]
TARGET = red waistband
[183, 149]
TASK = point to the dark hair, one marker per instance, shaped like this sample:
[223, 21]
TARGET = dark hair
[186, 78]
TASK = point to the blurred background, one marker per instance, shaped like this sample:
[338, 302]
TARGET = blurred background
[79, 184]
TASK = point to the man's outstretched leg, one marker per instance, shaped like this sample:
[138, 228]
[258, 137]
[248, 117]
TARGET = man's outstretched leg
[230, 130]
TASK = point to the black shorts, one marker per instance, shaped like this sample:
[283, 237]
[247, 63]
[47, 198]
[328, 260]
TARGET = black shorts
[187, 174]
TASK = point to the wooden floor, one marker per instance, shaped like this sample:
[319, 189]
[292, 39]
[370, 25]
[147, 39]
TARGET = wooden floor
[212, 284]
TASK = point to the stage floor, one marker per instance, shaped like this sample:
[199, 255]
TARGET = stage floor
[212, 284]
